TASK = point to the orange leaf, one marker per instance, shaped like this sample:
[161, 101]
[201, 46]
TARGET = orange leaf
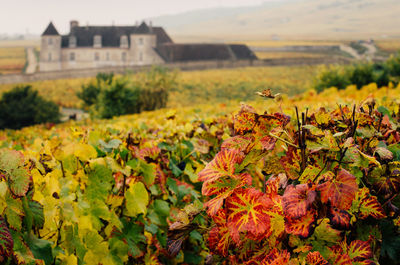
[297, 200]
[245, 120]
[275, 257]
[315, 258]
[302, 226]
[246, 210]
[339, 219]
[222, 165]
[359, 250]
[339, 191]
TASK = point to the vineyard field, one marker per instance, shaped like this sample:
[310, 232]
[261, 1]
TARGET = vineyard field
[199, 87]
[12, 60]
[130, 190]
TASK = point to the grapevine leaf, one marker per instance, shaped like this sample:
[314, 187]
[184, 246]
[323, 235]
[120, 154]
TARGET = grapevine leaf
[339, 191]
[315, 258]
[12, 163]
[342, 259]
[302, 227]
[137, 199]
[245, 120]
[275, 257]
[84, 152]
[14, 212]
[219, 240]
[246, 212]
[325, 233]
[340, 219]
[359, 250]
[367, 205]
[386, 180]
[291, 162]
[222, 165]
[239, 142]
[223, 188]
[298, 200]
[384, 153]
[6, 241]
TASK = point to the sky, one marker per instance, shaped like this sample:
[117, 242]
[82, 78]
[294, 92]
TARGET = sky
[32, 16]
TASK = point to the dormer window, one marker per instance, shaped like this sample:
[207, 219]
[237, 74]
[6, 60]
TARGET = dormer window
[97, 41]
[124, 41]
[72, 42]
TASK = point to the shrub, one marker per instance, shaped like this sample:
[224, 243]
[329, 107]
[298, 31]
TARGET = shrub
[111, 96]
[22, 106]
[331, 77]
[361, 75]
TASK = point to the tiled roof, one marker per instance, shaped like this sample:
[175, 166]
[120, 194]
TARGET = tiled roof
[111, 35]
[50, 30]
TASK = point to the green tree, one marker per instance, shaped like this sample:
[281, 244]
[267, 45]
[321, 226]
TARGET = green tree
[22, 106]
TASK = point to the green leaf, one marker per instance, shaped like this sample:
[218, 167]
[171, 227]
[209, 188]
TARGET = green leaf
[41, 249]
[161, 207]
[37, 211]
[149, 172]
[137, 199]
[12, 163]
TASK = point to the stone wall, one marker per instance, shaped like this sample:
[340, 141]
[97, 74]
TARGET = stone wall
[184, 66]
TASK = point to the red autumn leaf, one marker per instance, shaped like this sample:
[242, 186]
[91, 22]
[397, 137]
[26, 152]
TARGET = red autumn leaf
[239, 142]
[386, 180]
[368, 205]
[359, 250]
[342, 259]
[315, 258]
[246, 210]
[245, 120]
[275, 257]
[339, 219]
[219, 240]
[6, 240]
[222, 188]
[339, 191]
[291, 162]
[268, 142]
[303, 226]
[222, 165]
[298, 200]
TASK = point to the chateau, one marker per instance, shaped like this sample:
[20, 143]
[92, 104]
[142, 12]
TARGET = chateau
[107, 46]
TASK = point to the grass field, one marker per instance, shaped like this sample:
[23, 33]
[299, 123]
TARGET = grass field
[279, 55]
[390, 46]
[198, 87]
[12, 59]
[282, 43]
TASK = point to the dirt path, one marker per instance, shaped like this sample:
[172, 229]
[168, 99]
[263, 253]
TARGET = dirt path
[350, 50]
[32, 60]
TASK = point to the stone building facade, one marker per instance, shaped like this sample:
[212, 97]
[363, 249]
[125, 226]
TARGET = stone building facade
[109, 46]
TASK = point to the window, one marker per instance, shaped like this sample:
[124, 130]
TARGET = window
[96, 56]
[140, 56]
[140, 41]
[72, 41]
[123, 56]
[107, 56]
[97, 41]
[49, 57]
[50, 41]
[72, 56]
[124, 41]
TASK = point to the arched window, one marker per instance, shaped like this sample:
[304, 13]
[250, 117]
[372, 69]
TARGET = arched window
[123, 56]
[97, 41]
[72, 42]
[124, 41]
[72, 56]
[96, 56]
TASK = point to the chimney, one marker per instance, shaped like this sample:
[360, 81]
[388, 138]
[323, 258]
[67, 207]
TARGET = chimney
[73, 24]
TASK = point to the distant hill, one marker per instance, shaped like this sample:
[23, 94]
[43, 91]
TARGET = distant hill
[314, 19]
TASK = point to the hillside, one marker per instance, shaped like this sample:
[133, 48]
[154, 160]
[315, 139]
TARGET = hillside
[314, 19]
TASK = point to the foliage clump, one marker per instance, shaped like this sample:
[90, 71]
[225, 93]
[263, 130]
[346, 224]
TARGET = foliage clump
[360, 74]
[331, 198]
[110, 96]
[22, 106]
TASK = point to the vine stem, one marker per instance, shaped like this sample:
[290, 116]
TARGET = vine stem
[283, 140]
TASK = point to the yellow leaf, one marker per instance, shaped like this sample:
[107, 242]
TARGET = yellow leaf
[85, 152]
